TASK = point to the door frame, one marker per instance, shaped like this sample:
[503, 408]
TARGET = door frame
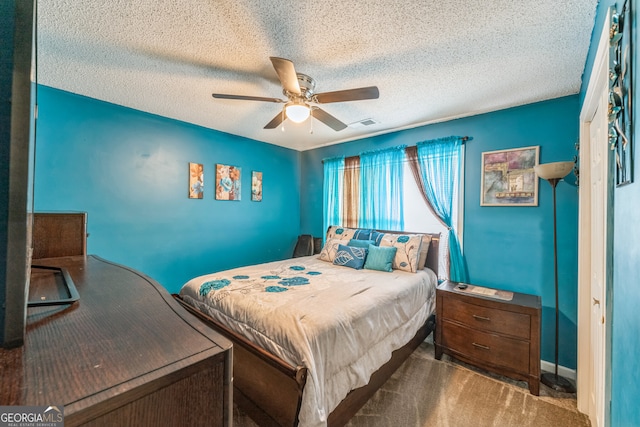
[598, 83]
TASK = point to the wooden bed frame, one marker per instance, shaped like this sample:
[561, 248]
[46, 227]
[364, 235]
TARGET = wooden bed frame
[269, 389]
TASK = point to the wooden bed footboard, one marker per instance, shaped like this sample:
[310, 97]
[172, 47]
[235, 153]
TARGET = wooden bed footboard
[269, 390]
[265, 387]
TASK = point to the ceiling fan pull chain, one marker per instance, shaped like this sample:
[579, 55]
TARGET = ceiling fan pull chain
[282, 126]
[311, 121]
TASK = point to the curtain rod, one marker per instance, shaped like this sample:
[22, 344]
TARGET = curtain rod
[462, 138]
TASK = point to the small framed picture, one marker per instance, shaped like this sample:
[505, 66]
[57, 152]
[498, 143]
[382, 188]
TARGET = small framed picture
[256, 186]
[196, 181]
[228, 183]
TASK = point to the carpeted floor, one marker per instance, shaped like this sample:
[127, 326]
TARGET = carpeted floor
[425, 392]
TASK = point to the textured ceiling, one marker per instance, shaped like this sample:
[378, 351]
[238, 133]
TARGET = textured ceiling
[431, 60]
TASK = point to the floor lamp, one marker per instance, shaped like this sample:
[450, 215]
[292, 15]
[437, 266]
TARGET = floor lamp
[554, 172]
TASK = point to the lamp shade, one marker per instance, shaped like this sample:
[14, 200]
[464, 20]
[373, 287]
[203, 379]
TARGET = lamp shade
[297, 112]
[555, 170]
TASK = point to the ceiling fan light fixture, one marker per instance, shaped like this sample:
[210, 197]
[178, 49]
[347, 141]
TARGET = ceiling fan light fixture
[297, 112]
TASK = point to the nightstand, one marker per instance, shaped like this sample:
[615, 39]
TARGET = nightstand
[494, 330]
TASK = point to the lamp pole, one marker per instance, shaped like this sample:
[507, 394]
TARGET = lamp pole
[554, 183]
[555, 381]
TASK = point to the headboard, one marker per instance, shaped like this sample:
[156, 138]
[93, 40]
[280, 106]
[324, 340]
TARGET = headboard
[433, 256]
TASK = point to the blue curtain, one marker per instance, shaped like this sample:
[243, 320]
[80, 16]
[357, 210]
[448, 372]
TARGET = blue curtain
[381, 189]
[332, 193]
[439, 161]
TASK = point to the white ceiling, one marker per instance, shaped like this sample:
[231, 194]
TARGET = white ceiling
[431, 60]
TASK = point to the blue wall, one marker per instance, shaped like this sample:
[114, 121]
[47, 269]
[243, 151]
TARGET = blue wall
[625, 290]
[505, 247]
[129, 171]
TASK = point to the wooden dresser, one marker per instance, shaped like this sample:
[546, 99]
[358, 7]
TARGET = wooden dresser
[126, 353]
[499, 335]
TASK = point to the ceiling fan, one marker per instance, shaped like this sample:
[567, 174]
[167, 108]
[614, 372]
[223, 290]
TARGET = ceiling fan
[299, 90]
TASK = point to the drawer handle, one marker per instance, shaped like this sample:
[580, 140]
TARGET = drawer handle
[484, 347]
[486, 319]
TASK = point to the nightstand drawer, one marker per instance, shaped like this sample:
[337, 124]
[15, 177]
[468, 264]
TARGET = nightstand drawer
[486, 347]
[487, 319]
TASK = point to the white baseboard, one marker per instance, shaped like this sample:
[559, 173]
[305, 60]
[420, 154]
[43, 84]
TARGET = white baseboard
[562, 371]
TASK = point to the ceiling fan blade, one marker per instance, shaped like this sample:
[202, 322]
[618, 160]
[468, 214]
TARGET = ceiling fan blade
[275, 122]
[287, 74]
[245, 98]
[327, 119]
[369, 92]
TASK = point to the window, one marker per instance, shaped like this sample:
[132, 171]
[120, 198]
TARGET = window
[399, 199]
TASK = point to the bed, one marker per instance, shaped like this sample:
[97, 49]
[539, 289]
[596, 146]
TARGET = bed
[313, 338]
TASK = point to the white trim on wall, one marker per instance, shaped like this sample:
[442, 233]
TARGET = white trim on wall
[598, 82]
[563, 371]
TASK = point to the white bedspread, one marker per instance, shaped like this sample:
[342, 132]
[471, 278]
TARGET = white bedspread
[340, 323]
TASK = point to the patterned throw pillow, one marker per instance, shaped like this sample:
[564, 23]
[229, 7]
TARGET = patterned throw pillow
[339, 232]
[329, 250]
[350, 256]
[408, 253]
[380, 258]
[362, 234]
[346, 233]
[376, 236]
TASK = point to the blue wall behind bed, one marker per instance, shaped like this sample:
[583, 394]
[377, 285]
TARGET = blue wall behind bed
[129, 171]
[505, 247]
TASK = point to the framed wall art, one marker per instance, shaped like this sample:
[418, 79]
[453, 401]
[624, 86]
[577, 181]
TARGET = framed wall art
[256, 186]
[228, 183]
[508, 178]
[620, 93]
[196, 181]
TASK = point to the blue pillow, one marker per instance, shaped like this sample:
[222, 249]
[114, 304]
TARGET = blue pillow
[362, 234]
[350, 256]
[360, 243]
[380, 258]
[376, 236]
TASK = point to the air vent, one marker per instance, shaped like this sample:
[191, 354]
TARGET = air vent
[363, 123]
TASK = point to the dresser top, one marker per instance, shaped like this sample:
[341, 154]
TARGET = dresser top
[124, 331]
